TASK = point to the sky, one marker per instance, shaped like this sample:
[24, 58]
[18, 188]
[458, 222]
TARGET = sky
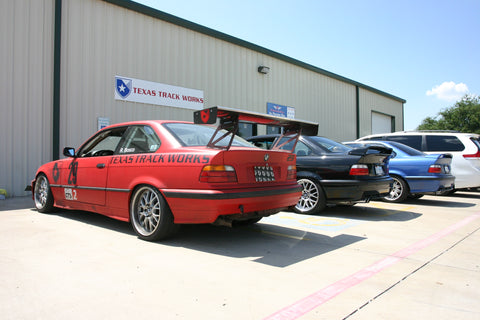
[425, 52]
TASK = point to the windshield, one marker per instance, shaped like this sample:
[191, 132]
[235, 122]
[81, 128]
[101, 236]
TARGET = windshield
[194, 135]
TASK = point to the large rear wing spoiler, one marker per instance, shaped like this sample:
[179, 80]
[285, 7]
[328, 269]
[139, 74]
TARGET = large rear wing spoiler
[229, 119]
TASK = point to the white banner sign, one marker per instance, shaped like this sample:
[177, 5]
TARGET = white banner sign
[135, 90]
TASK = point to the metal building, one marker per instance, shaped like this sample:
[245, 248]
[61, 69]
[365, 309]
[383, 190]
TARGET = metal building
[61, 60]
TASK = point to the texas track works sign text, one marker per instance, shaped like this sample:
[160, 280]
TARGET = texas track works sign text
[136, 90]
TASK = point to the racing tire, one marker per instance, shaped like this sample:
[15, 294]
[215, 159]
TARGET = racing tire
[313, 198]
[150, 215]
[42, 194]
[399, 191]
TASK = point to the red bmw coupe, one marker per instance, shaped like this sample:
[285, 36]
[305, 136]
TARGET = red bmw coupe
[159, 174]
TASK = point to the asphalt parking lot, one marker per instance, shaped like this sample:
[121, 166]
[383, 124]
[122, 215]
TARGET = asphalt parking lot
[416, 260]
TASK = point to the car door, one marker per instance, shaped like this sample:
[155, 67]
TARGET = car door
[85, 177]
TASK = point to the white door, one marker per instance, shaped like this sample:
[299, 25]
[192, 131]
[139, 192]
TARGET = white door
[381, 123]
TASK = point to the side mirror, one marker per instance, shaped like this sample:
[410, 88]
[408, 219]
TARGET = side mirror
[69, 152]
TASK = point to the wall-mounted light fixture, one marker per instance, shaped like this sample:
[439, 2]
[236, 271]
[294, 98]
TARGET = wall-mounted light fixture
[263, 69]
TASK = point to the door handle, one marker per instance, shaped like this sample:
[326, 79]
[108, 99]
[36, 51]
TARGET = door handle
[101, 165]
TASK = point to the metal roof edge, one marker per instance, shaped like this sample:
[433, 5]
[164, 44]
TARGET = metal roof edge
[154, 13]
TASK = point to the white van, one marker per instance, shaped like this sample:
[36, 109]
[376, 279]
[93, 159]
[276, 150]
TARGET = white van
[465, 148]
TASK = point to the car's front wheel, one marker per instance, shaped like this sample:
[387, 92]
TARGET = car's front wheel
[399, 191]
[150, 215]
[42, 194]
[313, 199]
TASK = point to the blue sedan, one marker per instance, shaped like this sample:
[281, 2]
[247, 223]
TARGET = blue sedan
[414, 172]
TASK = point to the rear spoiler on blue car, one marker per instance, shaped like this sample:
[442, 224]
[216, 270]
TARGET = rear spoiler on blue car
[230, 118]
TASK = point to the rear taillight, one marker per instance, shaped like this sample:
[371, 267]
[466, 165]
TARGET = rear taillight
[359, 170]
[218, 173]
[472, 156]
[435, 168]
[292, 172]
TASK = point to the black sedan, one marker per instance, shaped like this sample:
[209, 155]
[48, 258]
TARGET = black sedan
[331, 172]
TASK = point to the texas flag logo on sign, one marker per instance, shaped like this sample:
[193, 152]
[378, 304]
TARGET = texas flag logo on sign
[123, 86]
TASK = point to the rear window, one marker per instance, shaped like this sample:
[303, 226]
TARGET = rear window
[410, 140]
[329, 145]
[193, 135]
[476, 141]
[408, 150]
[444, 143]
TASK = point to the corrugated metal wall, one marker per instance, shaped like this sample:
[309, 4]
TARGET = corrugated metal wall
[26, 63]
[370, 101]
[100, 40]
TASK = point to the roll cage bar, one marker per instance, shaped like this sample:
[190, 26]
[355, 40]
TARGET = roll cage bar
[229, 119]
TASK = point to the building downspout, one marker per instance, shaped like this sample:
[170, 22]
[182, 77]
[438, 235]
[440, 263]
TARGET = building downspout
[56, 80]
[357, 106]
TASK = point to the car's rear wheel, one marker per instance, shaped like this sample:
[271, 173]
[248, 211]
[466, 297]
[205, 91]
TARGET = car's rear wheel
[399, 191]
[42, 194]
[150, 215]
[313, 199]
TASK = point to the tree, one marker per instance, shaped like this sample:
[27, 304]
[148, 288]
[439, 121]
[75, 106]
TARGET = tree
[464, 116]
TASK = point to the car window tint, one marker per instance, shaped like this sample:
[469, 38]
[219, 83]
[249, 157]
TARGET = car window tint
[410, 140]
[103, 143]
[302, 150]
[408, 150]
[476, 141]
[140, 139]
[329, 145]
[193, 135]
[444, 143]
[264, 144]
[289, 142]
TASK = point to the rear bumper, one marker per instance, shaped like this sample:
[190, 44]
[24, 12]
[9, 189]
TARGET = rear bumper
[431, 185]
[356, 190]
[205, 206]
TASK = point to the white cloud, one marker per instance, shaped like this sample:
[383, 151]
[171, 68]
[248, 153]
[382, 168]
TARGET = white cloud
[449, 91]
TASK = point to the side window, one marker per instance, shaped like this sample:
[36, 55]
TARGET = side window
[444, 143]
[139, 139]
[103, 144]
[301, 149]
[410, 140]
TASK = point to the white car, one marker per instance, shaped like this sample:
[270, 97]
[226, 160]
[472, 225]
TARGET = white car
[465, 148]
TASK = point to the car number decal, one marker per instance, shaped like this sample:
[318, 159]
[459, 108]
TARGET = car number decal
[55, 172]
[72, 175]
[70, 194]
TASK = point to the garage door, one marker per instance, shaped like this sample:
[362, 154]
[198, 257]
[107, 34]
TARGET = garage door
[381, 123]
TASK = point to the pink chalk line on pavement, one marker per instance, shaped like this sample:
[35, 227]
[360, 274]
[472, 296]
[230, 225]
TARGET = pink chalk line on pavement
[316, 299]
